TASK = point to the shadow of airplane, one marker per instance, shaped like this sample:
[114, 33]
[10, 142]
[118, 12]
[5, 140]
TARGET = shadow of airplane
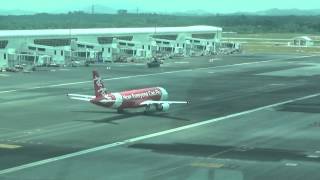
[227, 152]
[300, 107]
[127, 114]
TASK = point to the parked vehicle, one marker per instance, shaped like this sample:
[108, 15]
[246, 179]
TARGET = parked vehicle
[154, 63]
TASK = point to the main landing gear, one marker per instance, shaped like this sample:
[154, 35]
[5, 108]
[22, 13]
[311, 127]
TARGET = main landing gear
[148, 109]
[120, 111]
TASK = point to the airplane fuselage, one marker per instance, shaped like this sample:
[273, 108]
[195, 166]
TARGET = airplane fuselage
[152, 99]
[131, 98]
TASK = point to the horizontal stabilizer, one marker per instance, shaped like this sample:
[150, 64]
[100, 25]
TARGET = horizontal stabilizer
[107, 101]
[81, 97]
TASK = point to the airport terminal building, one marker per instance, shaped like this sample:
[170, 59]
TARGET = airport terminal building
[63, 46]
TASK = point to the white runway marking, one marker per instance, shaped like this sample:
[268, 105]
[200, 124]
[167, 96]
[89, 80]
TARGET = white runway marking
[153, 74]
[277, 84]
[9, 129]
[132, 140]
[182, 62]
[313, 156]
[9, 91]
[291, 164]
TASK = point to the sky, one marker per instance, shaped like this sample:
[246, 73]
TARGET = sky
[213, 6]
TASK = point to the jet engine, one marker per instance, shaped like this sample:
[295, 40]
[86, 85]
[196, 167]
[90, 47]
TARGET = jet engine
[163, 107]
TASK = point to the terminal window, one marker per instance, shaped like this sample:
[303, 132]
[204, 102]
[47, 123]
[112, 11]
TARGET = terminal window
[81, 46]
[41, 49]
[105, 40]
[89, 47]
[32, 48]
[166, 37]
[54, 42]
[204, 36]
[3, 44]
[108, 40]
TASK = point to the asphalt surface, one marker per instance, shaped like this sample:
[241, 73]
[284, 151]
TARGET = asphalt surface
[250, 117]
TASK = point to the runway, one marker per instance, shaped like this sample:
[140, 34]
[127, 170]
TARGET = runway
[250, 117]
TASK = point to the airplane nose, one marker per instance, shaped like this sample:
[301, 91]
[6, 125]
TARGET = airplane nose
[164, 94]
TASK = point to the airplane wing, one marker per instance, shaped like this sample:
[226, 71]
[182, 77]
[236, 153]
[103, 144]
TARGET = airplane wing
[87, 98]
[163, 102]
[81, 97]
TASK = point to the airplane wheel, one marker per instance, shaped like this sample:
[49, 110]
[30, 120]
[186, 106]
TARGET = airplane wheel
[147, 110]
[120, 111]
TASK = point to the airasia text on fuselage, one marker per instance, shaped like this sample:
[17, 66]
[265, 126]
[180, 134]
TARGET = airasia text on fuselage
[142, 95]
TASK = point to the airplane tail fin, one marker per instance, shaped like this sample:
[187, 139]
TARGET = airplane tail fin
[98, 85]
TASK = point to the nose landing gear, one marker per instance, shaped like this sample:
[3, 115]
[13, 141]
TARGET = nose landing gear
[120, 111]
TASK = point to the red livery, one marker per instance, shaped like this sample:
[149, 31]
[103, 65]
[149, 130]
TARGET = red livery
[155, 97]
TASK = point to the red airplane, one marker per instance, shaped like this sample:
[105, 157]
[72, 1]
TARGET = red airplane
[154, 98]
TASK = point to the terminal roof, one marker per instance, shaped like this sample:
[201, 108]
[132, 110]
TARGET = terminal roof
[107, 31]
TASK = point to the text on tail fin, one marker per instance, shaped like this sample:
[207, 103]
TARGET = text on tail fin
[98, 85]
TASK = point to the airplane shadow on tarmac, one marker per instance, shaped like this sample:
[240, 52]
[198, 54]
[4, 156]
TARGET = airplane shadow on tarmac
[227, 152]
[126, 115]
[300, 107]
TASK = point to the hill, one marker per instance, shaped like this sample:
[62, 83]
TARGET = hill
[237, 23]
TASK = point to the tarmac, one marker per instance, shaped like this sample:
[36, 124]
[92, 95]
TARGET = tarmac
[251, 117]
